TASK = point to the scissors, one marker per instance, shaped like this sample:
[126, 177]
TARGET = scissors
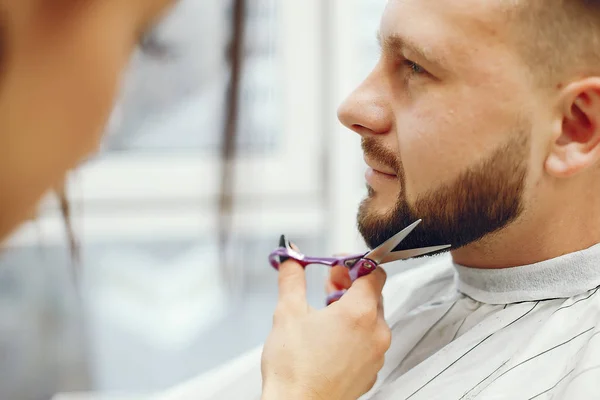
[359, 264]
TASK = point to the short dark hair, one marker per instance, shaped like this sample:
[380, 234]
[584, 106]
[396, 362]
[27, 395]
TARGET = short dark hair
[559, 39]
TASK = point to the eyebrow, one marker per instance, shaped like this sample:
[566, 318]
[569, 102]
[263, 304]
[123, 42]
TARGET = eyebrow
[397, 45]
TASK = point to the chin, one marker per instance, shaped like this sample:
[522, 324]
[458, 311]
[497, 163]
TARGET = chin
[380, 203]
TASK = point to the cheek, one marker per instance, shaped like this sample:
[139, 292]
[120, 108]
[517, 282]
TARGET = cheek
[86, 105]
[439, 141]
[84, 86]
[56, 100]
[433, 149]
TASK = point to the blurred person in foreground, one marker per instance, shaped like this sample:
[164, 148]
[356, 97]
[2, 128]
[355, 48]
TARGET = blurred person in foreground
[483, 119]
[60, 65]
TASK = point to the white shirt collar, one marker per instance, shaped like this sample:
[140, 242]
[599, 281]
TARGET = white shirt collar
[561, 277]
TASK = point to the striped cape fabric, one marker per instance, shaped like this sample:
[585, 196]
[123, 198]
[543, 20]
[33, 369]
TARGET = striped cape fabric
[528, 332]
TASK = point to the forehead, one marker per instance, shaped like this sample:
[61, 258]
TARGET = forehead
[457, 30]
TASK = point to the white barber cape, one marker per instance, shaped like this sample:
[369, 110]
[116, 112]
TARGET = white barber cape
[531, 332]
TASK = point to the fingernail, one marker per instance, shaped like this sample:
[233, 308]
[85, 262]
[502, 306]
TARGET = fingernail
[293, 246]
[282, 243]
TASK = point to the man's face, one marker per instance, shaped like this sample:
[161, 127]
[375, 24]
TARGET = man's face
[447, 119]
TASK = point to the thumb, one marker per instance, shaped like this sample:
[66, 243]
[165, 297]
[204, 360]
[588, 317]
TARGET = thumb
[292, 284]
[367, 289]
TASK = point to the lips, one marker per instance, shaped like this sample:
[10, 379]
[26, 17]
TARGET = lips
[379, 168]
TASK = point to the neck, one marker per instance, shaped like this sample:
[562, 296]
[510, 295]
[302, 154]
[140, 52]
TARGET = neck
[541, 233]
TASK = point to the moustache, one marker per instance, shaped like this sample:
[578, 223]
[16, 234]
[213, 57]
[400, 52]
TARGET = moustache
[377, 152]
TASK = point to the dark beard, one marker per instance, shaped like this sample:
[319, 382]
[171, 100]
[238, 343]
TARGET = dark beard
[482, 200]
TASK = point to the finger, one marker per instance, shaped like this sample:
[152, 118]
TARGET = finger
[334, 297]
[292, 283]
[368, 287]
[339, 279]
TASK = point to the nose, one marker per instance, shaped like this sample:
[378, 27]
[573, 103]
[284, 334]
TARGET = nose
[366, 111]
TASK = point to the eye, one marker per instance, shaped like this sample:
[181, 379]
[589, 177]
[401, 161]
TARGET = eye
[415, 69]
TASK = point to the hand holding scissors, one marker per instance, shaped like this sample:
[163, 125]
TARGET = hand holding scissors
[358, 264]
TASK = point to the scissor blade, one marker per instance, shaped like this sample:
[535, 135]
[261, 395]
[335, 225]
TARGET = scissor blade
[379, 253]
[406, 254]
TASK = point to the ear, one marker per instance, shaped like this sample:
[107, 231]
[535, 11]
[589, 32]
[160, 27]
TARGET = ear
[577, 146]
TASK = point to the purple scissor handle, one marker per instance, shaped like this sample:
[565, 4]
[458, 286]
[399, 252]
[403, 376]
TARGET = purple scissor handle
[358, 264]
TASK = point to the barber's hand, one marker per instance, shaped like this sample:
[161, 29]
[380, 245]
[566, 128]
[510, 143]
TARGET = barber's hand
[332, 354]
[339, 280]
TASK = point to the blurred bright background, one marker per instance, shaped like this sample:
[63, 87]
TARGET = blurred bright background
[176, 216]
